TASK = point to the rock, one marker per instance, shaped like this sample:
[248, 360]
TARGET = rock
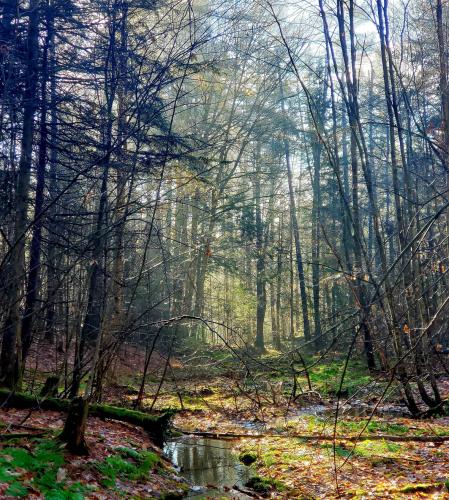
[248, 457]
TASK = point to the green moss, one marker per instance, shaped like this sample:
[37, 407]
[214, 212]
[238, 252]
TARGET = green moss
[264, 484]
[248, 457]
[340, 451]
[414, 488]
[326, 376]
[291, 453]
[358, 492]
[376, 451]
[25, 472]
[387, 427]
[378, 448]
[128, 464]
[269, 458]
[373, 426]
[311, 422]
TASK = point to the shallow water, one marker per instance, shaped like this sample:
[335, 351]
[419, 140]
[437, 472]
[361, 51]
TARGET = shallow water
[210, 466]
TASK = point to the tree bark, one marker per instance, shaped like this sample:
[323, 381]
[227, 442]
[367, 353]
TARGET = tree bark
[295, 229]
[11, 354]
[75, 424]
[260, 259]
[36, 242]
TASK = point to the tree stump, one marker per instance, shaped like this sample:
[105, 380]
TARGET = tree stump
[50, 388]
[75, 427]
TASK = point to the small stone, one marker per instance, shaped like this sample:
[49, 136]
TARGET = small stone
[61, 475]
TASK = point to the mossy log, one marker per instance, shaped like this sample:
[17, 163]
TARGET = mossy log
[156, 425]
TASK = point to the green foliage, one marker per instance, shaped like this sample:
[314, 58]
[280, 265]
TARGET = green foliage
[17, 489]
[341, 451]
[325, 374]
[248, 223]
[269, 458]
[243, 304]
[38, 470]
[127, 464]
[114, 466]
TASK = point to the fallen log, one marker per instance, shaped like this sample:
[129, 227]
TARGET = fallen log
[319, 437]
[155, 425]
[19, 435]
[246, 491]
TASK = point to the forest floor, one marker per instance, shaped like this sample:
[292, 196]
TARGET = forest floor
[288, 440]
[122, 461]
[222, 400]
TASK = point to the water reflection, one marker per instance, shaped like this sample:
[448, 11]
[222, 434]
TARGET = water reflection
[207, 462]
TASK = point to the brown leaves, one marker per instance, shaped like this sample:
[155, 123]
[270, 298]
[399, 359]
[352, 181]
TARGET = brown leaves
[104, 438]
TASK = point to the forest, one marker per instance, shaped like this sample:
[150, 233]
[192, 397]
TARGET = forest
[224, 249]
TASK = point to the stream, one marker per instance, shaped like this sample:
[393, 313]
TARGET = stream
[212, 467]
[209, 465]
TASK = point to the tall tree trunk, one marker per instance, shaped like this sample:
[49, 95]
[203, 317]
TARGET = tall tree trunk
[279, 261]
[121, 209]
[291, 291]
[295, 229]
[205, 253]
[91, 328]
[356, 148]
[316, 221]
[403, 213]
[10, 360]
[274, 318]
[260, 259]
[111, 337]
[52, 273]
[35, 247]
[189, 286]
[444, 87]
